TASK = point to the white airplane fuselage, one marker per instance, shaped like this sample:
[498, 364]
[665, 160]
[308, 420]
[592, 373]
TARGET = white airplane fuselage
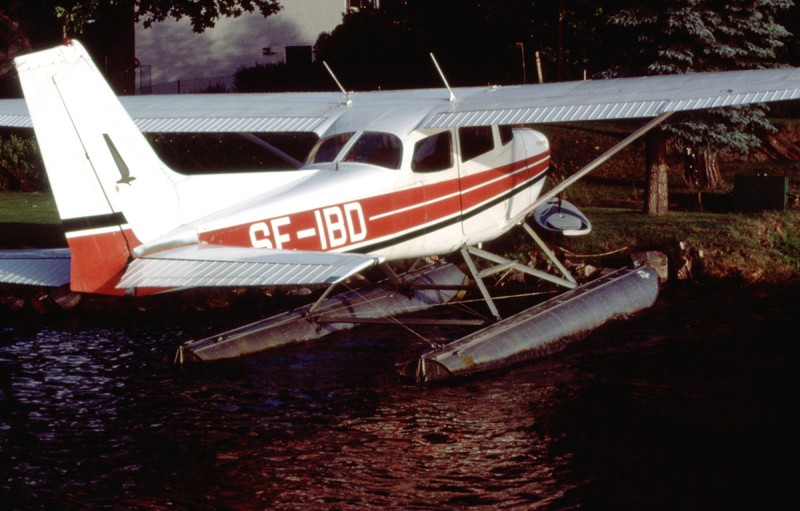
[376, 185]
[395, 213]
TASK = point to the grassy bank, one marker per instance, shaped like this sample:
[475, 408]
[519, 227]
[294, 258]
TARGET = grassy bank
[30, 208]
[29, 220]
[746, 248]
[750, 248]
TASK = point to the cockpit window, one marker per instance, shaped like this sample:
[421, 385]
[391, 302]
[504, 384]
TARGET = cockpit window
[475, 141]
[433, 153]
[328, 148]
[382, 149]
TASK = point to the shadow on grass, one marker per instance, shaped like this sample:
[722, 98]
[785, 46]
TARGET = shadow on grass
[30, 235]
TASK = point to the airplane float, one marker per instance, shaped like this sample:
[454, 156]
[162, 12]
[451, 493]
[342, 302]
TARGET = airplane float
[395, 175]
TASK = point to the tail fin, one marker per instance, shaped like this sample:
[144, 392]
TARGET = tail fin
[111, 189]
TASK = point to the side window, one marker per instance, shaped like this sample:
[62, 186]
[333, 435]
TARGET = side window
[433, 153]
[475, 141]
[506, 134]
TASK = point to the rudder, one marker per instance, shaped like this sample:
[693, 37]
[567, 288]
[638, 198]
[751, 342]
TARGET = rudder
[111, 189]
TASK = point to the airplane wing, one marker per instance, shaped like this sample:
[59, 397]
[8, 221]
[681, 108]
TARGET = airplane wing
[204, 265]
[621, 98]
[591, 100]
[48, 267]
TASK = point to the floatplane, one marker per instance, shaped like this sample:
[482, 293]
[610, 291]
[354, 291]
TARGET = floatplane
[394, 175]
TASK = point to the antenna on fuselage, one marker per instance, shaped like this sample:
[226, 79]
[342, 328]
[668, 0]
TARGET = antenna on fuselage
[348, 101]
[439, 69]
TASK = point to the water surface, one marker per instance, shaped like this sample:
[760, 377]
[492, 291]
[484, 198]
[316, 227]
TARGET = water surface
[690, 405]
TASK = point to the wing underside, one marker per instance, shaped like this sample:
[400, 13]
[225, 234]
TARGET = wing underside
[35, 267]
[199, 266]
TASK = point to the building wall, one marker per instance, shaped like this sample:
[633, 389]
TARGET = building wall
[170, 52]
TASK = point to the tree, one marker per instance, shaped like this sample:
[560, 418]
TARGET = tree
[681, 36]
[283, 77]
[568, 36]
[12, 42]
[21, 168]
[372, 50]
[476, 42]
[106, 27]
[202, 13]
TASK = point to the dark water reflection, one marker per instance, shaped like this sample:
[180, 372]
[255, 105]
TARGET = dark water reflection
[688, 406]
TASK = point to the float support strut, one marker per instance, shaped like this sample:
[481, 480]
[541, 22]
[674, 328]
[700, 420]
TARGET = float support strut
[465, 253]
[552, 257]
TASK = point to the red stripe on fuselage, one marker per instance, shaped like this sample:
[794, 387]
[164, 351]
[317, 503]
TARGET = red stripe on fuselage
[483, 187]
[350, 224]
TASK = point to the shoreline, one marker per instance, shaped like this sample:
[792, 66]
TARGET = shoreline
[728, 250]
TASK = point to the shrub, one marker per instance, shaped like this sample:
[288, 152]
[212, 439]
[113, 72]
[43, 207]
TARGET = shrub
[21, 168]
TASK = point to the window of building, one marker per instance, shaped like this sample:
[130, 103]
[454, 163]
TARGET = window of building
[355, 5]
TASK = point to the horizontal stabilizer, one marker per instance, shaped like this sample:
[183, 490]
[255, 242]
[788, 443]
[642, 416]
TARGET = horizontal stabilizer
[204, 265]
[35, 267]
[14, 114]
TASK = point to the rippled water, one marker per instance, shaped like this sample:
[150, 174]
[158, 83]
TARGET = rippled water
[690, 405]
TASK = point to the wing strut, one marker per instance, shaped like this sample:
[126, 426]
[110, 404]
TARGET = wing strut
[600, 160]
[502, 263]
[263, 144]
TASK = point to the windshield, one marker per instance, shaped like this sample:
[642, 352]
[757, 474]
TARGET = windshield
[382, 149]
[328, 148]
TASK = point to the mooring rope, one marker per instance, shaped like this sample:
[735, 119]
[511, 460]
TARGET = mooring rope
[612, 252]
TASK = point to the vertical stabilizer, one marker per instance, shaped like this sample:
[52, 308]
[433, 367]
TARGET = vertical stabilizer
[112, 191]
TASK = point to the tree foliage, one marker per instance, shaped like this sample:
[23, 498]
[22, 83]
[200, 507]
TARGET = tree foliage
[27, 25]
[12, 40]
[684, 36]
[395, 56]
[492, 41]
[21, 169]
[679, 36]
[476, 42]
[282, 77]
[201, 13]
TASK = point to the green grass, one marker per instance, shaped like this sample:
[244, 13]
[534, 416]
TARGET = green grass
[30, 208]
[762, 247]
[29, 220]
